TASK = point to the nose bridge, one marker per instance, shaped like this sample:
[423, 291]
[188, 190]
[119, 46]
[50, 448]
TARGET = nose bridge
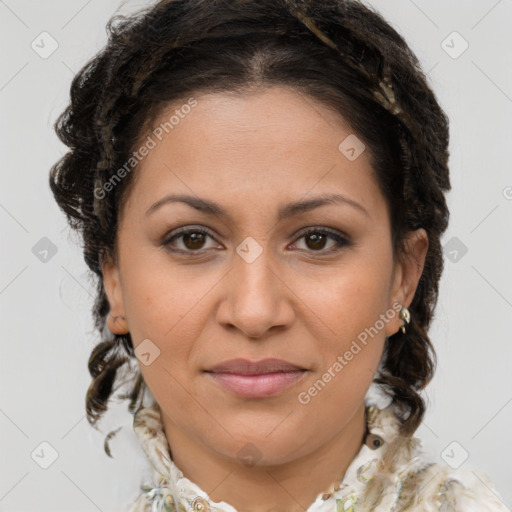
[255, 291]
[253, 274]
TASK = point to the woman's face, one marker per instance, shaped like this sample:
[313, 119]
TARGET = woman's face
[256, 286]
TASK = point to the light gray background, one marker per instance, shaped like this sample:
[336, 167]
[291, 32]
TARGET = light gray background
[45, 306]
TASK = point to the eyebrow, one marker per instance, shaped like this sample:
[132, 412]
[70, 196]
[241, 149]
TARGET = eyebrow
[285, 212]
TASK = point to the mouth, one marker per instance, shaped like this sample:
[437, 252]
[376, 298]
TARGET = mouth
[246, 367]
[261, 379]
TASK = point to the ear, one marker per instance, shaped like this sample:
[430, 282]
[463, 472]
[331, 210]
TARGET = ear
[407, 273]
[116, 320]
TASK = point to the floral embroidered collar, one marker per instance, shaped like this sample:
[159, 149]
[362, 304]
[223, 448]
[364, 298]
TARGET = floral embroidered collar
[379, 454]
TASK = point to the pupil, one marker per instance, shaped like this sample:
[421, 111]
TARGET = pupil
[195, 238]
[318, 240]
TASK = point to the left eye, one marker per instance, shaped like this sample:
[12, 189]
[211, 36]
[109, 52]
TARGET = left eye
[193, 240]
[317, 239]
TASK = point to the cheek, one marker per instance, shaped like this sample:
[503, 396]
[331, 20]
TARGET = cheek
[167, 304]
[350, 305]
[164, 305]
[352, 298]
[158, 296]
[352, 337]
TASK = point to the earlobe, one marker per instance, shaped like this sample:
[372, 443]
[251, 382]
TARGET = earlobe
[116, 320]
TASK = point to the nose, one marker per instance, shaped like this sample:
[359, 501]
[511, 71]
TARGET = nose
[256, 297]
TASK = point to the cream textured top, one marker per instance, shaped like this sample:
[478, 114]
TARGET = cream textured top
[393, 477]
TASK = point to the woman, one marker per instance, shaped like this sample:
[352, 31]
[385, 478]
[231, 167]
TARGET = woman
[260, 187]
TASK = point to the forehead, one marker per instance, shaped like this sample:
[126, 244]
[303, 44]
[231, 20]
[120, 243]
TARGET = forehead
[255, 149]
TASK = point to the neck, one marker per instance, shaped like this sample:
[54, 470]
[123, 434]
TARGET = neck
[290, 487]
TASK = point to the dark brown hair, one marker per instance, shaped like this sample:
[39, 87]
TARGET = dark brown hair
[339, 52]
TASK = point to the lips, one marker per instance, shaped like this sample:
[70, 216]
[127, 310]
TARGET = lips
[256, 379]
[246, 367]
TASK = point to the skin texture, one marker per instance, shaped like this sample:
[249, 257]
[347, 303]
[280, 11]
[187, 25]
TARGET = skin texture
[252, 154]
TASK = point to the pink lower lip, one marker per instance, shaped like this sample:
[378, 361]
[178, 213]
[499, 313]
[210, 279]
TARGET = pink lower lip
[257, 386]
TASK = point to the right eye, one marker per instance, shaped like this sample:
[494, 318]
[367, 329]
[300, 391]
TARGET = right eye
[192, 239]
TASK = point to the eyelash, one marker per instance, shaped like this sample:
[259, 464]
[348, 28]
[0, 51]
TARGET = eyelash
[334, 235]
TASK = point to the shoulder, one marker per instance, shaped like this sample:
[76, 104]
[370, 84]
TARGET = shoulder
[405, 477]
[439, 487]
